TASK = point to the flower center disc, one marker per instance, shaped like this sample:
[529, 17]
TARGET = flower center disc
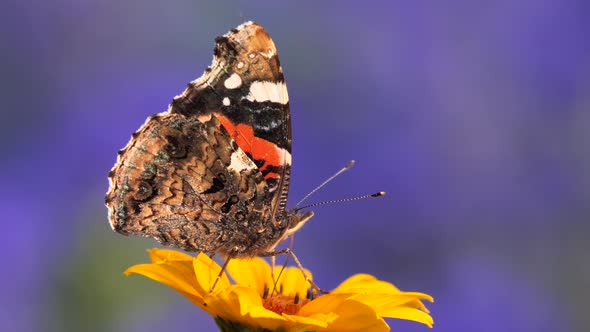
[280, 303]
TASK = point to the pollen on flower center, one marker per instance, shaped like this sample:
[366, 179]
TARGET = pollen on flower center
[280, 303]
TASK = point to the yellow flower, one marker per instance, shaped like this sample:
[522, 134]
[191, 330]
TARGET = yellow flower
[358, 304]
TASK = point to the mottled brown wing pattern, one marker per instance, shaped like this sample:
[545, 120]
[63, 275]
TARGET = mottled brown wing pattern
[175, 182]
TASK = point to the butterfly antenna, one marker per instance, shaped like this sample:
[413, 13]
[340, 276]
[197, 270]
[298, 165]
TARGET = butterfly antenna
[344, 169]
[378, 194]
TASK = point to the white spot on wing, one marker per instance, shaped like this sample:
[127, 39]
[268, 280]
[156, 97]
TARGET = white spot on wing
[226, 101]
[287, 157]
[268, 91]
[269, 53]
[232, 82]
[239, 161]
[204, 118]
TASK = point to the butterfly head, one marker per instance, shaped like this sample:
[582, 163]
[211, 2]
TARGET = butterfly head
[296, 219]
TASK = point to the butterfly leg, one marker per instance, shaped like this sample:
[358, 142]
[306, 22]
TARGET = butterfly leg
[273, 264]
[290, 252]
[220, 273]
[273, 261]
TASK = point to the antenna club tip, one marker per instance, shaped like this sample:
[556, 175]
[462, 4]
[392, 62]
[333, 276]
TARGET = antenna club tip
[350, 164]
[381, 193]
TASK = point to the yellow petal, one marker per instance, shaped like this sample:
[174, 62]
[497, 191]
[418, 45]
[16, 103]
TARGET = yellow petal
[219, 304]
[312, 323]
[206, 272]
[244, 305]
[251, 307]
[266, 318]
[409, 314]
[365, 284]
[394, 304]
[157, 255]
[356, 316]
[323, 304]
[385, 301]
[291, 281]
[254, 273]
[401, 306]
[171, 275]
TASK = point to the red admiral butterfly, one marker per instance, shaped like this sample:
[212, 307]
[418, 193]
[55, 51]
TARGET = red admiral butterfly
[211, 174]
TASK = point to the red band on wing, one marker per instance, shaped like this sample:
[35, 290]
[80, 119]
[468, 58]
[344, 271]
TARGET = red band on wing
[259, 148]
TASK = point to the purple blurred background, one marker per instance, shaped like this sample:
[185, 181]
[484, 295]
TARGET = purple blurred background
[473, 116]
